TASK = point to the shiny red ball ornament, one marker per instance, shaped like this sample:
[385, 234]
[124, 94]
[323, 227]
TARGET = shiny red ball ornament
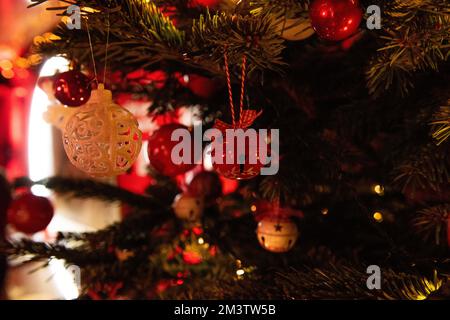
[335, 20]
[160, 151]
[204, 3]
[201, 86]
[251, 160]
[206, 184]
[29, 213]
[72, 88]
[192, 257]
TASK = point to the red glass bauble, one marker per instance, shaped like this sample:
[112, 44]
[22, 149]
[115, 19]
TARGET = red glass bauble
[170, 12]
[335, 19]
[29, 213]
[201, 86]
[160, 151]
[206, 184]
[72, 88]
[204, 3]
[230, 168]
[192, 257]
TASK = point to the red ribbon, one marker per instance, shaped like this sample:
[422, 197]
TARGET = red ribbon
[246, 120]
[273, 210]
[283, 213]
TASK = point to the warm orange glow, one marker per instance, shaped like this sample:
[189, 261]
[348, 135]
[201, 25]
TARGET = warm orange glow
[20, 92]
[7, 53]
[38, 39]
[65, 19]
[6, 64]
[89, 10]
[22, 63]
[7, 73]
[51, 36]
[22, 73]
[35, 59]
[378, 216]
[378, 189]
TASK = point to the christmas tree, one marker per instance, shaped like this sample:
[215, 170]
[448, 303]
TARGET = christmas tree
[359, 92]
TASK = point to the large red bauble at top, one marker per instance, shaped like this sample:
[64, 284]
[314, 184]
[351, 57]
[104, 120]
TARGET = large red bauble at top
[72, 88]
[237, 163]
[160, 148]
[29, 213]
[335, 20]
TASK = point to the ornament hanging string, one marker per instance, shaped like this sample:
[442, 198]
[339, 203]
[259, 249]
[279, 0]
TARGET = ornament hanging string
[106, 50]
[241, 102]
[230, 92]
[246, 116]
[92, 51]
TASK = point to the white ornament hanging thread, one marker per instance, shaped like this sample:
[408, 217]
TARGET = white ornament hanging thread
[101, 138]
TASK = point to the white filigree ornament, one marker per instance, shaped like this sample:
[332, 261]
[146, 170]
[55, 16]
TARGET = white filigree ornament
[101, 138]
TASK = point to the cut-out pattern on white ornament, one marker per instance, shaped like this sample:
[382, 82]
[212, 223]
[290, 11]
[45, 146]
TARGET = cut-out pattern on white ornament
[101, 138]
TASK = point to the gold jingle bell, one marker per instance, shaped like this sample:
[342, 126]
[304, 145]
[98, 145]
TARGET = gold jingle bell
[277, 234]
[188, 207]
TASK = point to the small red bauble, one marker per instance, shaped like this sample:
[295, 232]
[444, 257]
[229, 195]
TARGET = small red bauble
[72, 88]
[160, 149]
[251, 161]
[192, 257]
[206, 184]
[170, 12]
[204, 3]
[201, 86]
[29, 213]
[335, 19]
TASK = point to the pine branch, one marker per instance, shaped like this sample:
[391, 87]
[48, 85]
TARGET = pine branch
[329, 282]
[441, 124]
[415, 38]
[142, 37]
[254, 36]
[279, 8]
[135, 230]
[100, 190]
[347, 282]
[427, 168]
[431, 223]
[37, 251]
